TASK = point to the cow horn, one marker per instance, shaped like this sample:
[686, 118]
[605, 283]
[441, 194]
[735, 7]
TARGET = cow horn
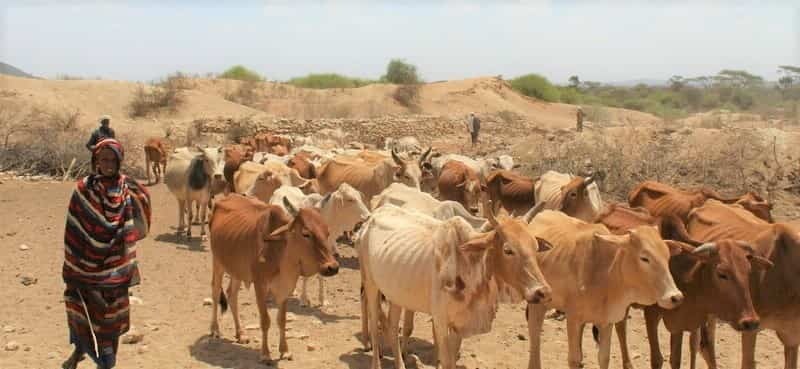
[425, 154]
[489, 212]
[532, 213]
[588, 180]
[289, 207]
[706, 248]
[745, 246]
[397, 158]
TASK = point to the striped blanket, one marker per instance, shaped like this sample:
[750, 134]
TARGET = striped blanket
[106, 217]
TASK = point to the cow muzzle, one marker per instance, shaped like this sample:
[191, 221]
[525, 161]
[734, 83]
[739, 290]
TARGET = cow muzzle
[748, 324]
[538, 295]
[671, 301]
[329, 269]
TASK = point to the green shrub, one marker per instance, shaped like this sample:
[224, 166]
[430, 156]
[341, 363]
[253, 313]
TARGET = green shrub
[534, 85]
[400, 72]
[241, 73]
[569, 95]
[742, 99]
[328, 80]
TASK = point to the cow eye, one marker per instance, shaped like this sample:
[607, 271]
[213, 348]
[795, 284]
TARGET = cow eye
[306, 234]
[722, 276]
[573, 194]
[644, 259]
[508, 251]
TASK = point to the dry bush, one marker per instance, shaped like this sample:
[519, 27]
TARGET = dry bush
[507, 116]
[731, 162]
[46, 145]
[246, 94]
[166, 97]
[406, 95]
[238, 131]
[177, 81]
[711, 121]
[597, 114]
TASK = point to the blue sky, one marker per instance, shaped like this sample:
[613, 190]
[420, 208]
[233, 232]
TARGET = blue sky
[600, 41]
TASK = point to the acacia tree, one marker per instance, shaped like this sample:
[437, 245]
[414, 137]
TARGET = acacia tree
[574, 82]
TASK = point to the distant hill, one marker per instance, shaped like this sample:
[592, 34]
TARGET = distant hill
[643, 81]
[13, 71]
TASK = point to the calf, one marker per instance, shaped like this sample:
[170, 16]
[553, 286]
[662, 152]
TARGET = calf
[155, 154]
[595, 276]
[575, 196]
[258, 243]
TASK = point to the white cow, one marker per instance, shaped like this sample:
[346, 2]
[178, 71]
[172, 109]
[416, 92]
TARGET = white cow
[407, 197]
[442, 268]
[192, 176]
[575, 196]
[262, 157]
[340, 210]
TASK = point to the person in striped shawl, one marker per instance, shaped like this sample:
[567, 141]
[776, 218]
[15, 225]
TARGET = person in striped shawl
[108, 213]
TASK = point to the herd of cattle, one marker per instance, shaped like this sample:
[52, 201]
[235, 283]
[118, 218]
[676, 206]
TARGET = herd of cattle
[452, 237]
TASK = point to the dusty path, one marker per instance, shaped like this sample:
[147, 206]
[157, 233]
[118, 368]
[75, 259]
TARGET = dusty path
[176, 279]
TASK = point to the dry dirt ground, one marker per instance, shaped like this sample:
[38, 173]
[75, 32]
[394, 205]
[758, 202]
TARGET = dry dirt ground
[175, 323]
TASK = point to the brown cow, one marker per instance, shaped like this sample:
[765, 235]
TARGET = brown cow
[302, 163]
[512, 191]
[155, 154]
[258, 243]
[661, 199]
[776, 292]
[457, 182]
[619, 218]
[235, 155]
[714, 280]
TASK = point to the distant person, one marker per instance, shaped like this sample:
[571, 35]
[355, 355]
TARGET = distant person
[107, 214]
[104, 131]
[474, 127]
[579, 117]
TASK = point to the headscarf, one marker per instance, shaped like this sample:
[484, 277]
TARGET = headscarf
[106, 216]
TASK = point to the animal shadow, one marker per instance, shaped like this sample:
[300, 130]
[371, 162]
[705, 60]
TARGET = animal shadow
[293, 305]
[192, 244]
[224, 353]
[423, 353]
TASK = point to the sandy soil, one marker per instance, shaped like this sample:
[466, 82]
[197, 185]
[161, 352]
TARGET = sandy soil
[176, 279]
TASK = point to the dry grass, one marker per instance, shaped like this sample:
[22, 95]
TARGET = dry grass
[167, 97]
[406, 95]
[246, 94]
[733, 161]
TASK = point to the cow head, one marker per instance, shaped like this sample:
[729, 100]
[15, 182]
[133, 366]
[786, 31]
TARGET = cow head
[512, 256]
[303, 165]
[472, 190]
[216, 157]
[755, 204]
[642, 257]
[348, 205]
[781, 245]
[725, 277]
[306, 237]
[575, 200]
[264, 186]
[407, 172]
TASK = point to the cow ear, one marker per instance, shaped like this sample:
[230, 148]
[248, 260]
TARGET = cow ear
[543, 244]
[760, 261]
[462, 184]
[677, 247]
[279, 234]
[480, 243]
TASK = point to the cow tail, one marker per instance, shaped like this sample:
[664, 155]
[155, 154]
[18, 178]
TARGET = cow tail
[223, 302]
[596, 334]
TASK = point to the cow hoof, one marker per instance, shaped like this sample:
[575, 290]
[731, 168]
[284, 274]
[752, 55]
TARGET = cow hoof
[266, 360]
[305, 303]
[287, 356]
[204, 237]
[242, 340]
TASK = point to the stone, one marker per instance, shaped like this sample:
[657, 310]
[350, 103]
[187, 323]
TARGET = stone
[24, 247]
[142, 349]
[522, 337]
[208, 301]
[9, 329]
[136, 301]
[27, 280]
[132, 337]
[310, 347]
[252, 327]
[12, 346]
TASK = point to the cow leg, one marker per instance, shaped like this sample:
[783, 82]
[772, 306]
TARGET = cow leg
[749, 349]
[707, 332]
[322, 301]
[622, 334]
[604, 341]
[408, 327]
[675, 343]
[181, 216]
[365, 337]
[441, 336]
[790, 342]
[392, 325]
[203, 236]
[283, 347]
[651, 319]
[261, 301]
[233, 302]
[189, 227]
[535, 316]
[303, 293]
[147, 167]
[373, 297]
[694, 345]
[574, 336]
[216, 291]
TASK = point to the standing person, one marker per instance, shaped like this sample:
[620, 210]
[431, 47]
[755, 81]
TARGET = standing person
[104, 131]
[107, 214]
[474, 127]
[579, 117]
